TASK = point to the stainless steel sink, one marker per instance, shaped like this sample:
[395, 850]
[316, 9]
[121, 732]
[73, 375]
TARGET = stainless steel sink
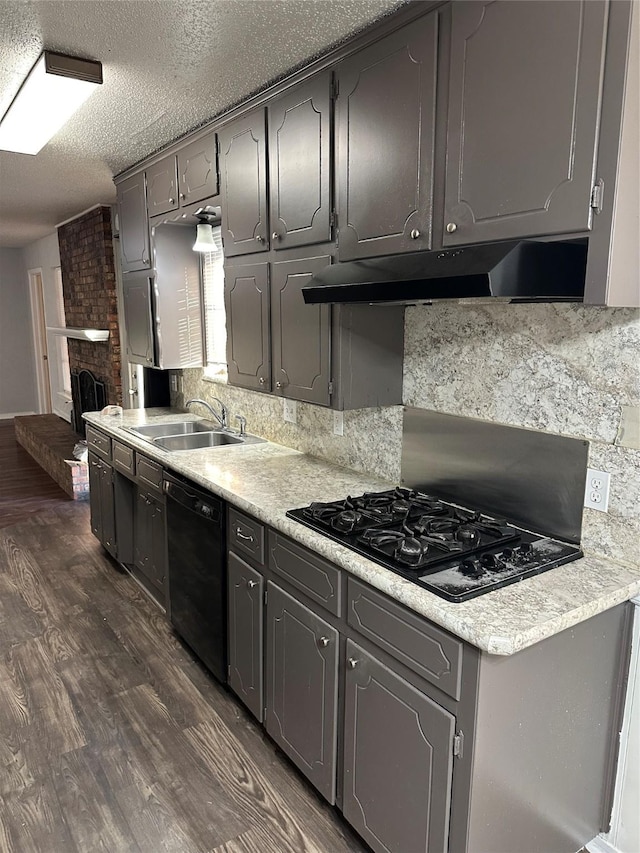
[176, 428]
[197, 440]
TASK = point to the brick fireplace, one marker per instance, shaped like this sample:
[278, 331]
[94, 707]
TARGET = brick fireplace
[89, 287]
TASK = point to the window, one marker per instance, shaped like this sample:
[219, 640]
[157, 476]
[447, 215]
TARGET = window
[215, 326]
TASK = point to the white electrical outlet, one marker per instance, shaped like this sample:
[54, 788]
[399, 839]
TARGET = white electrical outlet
[289, 411]
[338, 423]
[173, 381]
[596, 493]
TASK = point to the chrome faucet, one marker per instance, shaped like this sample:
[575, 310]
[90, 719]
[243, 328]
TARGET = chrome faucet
[221, 418]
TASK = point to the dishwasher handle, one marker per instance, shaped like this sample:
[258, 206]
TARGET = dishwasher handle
[201, 503]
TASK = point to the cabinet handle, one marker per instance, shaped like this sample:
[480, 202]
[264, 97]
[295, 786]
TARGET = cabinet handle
[172, 201]
[182, 197]
[275, 236]
[260, 239]
[261, 380]
[352, 663]
[415, 234]
[278, 384]
[252, 584]
[451, 227]
[323, 642]
[241, 535]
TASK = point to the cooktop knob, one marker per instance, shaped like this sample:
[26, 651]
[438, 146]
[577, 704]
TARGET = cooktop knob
[526, 548]
[471, 568]
[492, 562]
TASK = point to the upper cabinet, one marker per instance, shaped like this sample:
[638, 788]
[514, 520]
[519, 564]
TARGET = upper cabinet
[134, 225]
[524, 100]
[184, 178]
[300, 164]
[243, 179]
[385, 143]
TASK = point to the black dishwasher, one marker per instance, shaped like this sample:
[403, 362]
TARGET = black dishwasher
[197, 572]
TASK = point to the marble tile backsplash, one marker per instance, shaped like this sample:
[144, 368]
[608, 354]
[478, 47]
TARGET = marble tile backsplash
[566, 369]
[371, 442]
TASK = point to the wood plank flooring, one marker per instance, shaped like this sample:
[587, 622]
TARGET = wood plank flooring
[112, 736]
[25, 488]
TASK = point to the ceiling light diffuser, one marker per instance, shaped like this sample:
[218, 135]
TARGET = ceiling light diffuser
[54, 89]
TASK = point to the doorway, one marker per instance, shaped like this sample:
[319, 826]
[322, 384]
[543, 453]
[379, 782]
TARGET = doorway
[39, 325]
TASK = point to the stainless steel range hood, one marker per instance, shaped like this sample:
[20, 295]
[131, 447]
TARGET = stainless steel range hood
[517, 271]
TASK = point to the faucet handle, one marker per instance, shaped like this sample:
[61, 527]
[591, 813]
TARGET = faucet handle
[243, 424]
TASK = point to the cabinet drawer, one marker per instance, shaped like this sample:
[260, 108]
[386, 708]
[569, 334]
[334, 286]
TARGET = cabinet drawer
[149, 472]
[124, 459]
[99, 443]
[425, 649]
[246, 535]
[306, 571]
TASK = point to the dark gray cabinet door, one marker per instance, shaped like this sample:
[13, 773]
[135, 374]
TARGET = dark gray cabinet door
[385, 124]
[300, 165]
[246, 596]
[138, 317]
[198, 170]
[398, 748]
[150, 538]
[523, 118]
[246, 294]
[102, 504]
[302, 676]
[108, 510]
[301, 333]
[134, 226]
[95, 495]
[162, 186]
[243, 177]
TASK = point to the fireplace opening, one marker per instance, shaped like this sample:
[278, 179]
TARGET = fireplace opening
[88, 394]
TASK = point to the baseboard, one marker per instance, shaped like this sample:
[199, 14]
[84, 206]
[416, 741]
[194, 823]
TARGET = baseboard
[601, 845]
[9, 415]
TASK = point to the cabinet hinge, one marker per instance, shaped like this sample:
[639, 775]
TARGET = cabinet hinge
[333, 219]
[597, 195]
[265, 596]
[330, 389]
[335, 88]
[229, 672]
[458, 744]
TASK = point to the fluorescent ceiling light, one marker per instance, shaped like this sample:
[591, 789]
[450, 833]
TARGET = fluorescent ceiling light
[205, 239]
[54, 89]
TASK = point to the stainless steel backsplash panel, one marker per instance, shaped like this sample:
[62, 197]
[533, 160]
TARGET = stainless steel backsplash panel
[533, 479]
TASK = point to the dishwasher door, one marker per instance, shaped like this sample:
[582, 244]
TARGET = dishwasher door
[197, 571]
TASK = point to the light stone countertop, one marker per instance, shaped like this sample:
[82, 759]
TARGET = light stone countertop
[266, 479]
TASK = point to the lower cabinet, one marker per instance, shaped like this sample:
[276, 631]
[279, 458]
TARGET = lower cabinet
[398, 760]
[103, 522]
[246, 648]
[128, 510]
[302, 687]
[149, 538]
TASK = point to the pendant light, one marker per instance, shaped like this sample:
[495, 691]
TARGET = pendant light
[205, 239]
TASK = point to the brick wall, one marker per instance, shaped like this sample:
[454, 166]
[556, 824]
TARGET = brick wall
[89, 287]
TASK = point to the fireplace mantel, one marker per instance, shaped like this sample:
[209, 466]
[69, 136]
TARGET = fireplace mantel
[80, 334]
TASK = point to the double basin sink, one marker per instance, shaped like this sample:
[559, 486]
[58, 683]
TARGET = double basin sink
[191, 435]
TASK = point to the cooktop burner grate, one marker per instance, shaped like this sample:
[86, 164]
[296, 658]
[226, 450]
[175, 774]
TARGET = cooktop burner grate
[455, 552]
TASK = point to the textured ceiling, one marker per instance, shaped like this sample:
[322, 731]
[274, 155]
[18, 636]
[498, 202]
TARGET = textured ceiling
[168, 65]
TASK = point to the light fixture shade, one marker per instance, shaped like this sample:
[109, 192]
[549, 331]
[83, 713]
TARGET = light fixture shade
[54, 89]
[205, 240]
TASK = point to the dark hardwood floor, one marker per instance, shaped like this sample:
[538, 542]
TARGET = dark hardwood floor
[25, 488]
[112, 736]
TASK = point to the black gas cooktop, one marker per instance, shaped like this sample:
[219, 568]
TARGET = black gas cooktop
[454, 552]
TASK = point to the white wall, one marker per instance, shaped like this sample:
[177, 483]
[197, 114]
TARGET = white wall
[17, 366]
